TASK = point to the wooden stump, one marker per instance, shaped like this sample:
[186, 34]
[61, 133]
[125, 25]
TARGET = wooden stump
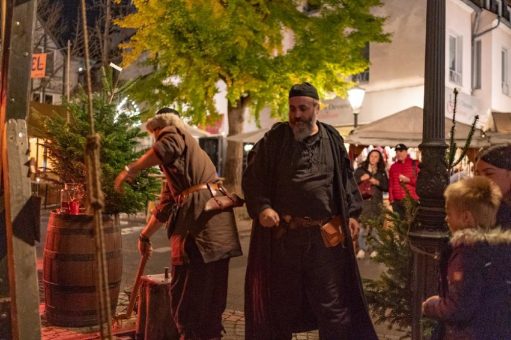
[154, 320]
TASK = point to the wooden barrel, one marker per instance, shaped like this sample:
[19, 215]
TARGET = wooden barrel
[69, 269]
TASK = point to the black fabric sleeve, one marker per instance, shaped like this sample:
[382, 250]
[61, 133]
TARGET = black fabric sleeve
[255, 181]
[383, 179]
[353, 196]
[358, 173]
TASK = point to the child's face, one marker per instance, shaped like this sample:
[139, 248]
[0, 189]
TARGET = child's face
[457, 219]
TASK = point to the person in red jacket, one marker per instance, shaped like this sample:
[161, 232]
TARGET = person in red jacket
[402, 178]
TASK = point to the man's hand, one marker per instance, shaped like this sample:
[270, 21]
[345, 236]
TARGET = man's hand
[374, 181]
[364, 177]
[354, 227]
[144, 247]
[403, 178]
[269, 218]
[430, 300]
[121, 178]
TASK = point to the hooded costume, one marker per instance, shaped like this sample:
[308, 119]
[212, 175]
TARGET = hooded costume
[185, 164]
[201, 242]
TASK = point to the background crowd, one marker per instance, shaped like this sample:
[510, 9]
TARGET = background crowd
[376, 182]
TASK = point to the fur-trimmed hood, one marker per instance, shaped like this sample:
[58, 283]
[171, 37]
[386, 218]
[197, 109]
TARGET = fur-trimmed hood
[472, 236]
[164, 120]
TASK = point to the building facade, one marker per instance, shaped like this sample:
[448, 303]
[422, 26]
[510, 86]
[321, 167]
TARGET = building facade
[478, 42]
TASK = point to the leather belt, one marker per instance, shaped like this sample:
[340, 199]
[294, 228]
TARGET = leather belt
[303, 222]
[198, 187]
[213, 187]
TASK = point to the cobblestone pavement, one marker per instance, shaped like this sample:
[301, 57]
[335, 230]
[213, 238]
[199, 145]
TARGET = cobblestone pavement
[233, 320]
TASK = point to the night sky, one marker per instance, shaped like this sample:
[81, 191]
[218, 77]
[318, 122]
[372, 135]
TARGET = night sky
[71, 10]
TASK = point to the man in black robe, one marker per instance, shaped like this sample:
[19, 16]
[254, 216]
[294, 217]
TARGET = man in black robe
[302, 273]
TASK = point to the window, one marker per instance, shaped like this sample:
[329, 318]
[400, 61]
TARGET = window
[504, 71]
[476, 77]
[455, 59]
[36, 97]
[506, 13]
[363, 77]
[499, 7]
[48, 99]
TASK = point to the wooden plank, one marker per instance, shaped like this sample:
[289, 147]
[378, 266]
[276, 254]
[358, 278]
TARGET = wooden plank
[22, 304]
[20, 234]
[5, 298]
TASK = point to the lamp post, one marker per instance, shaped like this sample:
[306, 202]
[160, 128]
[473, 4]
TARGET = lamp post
[356, 97]
[428, 234]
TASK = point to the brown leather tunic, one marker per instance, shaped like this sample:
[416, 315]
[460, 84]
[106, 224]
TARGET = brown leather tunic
[185, 164]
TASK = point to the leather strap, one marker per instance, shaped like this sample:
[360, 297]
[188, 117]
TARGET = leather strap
[198, 187]
[304, 222]
[212, 187]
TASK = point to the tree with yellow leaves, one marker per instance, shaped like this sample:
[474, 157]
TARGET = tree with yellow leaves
[257, 48]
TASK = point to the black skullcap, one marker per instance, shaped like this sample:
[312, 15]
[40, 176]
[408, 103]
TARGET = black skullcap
[303, 90]
[165, 110]
[498, 156]
[400, 146]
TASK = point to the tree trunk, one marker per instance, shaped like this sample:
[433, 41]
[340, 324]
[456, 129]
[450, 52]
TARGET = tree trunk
[234, 157]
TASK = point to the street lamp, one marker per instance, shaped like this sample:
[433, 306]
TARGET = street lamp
[429, 234]
[356, 97]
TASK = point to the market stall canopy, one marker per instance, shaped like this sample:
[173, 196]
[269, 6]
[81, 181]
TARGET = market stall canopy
[499, 138]
[499, 128]
[406, 127]
[500, 122]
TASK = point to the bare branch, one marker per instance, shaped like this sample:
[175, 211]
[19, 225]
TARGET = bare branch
[50, 14]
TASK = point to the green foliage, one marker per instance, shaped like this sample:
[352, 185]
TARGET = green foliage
[119, 138]
[390, 296]
[450, 155]
[257, 48]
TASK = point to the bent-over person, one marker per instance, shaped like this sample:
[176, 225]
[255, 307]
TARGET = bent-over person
[201, 242]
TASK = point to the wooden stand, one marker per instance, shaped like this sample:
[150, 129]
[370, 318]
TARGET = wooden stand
[154, 320]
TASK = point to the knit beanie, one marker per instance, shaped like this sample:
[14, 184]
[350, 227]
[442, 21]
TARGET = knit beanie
[498, 156]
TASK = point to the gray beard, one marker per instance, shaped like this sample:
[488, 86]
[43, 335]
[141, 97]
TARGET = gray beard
[302, 131]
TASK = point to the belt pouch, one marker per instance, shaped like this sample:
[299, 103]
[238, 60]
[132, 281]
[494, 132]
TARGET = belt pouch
[331, 232]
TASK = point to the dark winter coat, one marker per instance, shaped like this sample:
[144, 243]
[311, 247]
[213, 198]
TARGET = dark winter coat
[504, 216]
[372, 207]
[408, 168]
[477, 303]
[185, 164]
[259, 187]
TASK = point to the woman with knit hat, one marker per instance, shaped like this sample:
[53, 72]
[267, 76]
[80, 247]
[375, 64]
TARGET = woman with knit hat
[495, 163]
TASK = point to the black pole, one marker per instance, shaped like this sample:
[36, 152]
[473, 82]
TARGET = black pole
[428, 234]
[355, 120]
